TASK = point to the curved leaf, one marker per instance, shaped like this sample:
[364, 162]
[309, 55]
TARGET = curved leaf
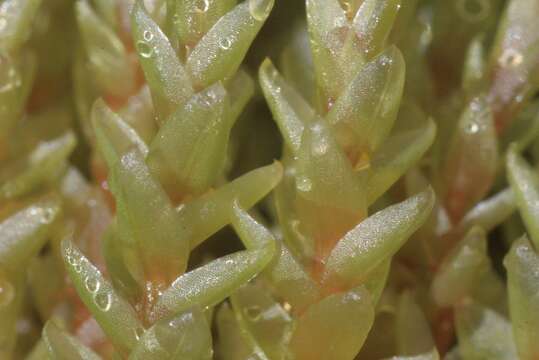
[115, 316]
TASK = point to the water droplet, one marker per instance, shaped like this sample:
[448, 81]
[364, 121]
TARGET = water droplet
[203, 6]
[472, 128]
[253, 313]
[229, 261]
[354, 296]
[7, 292]
[304, 184]
[103, 301]
[144, 49]
[92, 284]
[48, 216]
[473, 10]
[71, 260]
[287, 307]
[147, 35]
[225, 44]
[511, 58]
[77, 268]
[260, 9]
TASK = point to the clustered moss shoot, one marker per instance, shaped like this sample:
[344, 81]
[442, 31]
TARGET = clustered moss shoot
[143, 214]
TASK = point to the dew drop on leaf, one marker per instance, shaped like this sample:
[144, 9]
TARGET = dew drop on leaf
[48, 216]
[148, 36]
[92, 284]
[144, 49]
[203, 6]
[103, 301]
[304, 184]
[472, 128]
[225, 44]
[510, 58]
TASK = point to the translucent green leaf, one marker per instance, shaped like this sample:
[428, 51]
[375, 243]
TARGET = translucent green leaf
[210, 212]
[119, 272]
[525, 184]
[522, 265]
[16, 19]
[192, 163]
[412, 328]
[285, 274]
[514, 60]
[364, 113]
[166, 76]
[524, 130]
[472, 155]
[330, 195]
[16, 76]
[334, 328]
[46, 162]
[12, 293]
[289, 109]
[327, 23]
[115, 316]
[240, 89]
[263, 318]
[212, 283]
[113, 135]
[46, 279]
[147, 220]
[474, 65]
[232, 343]
[139, 114]
[62, 346]
[483, 334]
[193, 18]
[376, 238]
[377, 280]
[491, 212]
[462, 269]
[185, 336]
[373, 23]
[218, 55]
[398, 154]
[38, 352]
[297, 62]
[110, 64]
[23, 234]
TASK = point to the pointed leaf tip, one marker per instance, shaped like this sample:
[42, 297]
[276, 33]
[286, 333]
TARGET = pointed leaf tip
[168, 79]
[23, 234]
[377, 238]
[220, 52]
[212, 283]
[62, 346]
[115, 315]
